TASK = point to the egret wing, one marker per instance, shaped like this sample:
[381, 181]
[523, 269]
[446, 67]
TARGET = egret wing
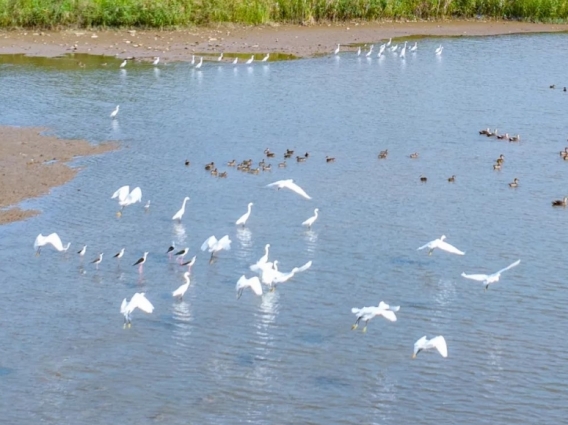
[39, 241]
[419, 344]
[140, 301]
[478, 277]
[279, 183]
[123, 306]
[181, 290]
[304, 267]
[449, 248]
[428, 245]
[134, 196]
[224, 243]
[209, 242]
[516, 263]
[121, 193]
[387, 314]
[440, 343]
[295, 188]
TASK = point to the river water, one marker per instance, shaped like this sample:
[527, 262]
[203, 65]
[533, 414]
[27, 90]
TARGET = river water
[290, 357]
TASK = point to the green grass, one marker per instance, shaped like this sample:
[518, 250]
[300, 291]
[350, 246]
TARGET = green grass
[179, 13]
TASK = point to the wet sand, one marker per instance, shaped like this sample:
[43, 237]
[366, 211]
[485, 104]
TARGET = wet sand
[31, 164]
[297, 40]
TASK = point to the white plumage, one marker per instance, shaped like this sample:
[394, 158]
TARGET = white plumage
[156, 61]
[310, 221]
[289, 184]
[178, 216]
[438, 342]
[138, 300]
[200, 64]
[439, 50]
[253, 283]
[243, 219]
[52, 239]
[125, 197]
[248, 62]
[270, 275]
[488, 279]
[440, 244]
[114, 113]
[368, 313]
[179, 292]
[262, 261]
[213, 245]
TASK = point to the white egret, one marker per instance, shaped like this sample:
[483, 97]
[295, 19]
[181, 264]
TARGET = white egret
[220, 58]
[189, 263]
[138, 300]
[213, 245]
[370, 52]
[52, 239]
[200, 64]
[438, 342]
[119, 254]
[440, 244]
[193, 59]
[264, 59]
[181, 212]
[125, 198]
[147, 206]
[262, 261]
[359, 51]
[310, 221]
[271, 276]
[243, 219]
[235, 61]
[488, 279]
[82, 252]
[403, 51]
[156, 61]
[98, 261]
[336, 51]
[367, 313]
[381, 50]
[181, 254]
[414, 48]
[179, 292]
[253, 283]
[123, 64]
[289, 184]
[389, 42]
[248, 62]
[114, 113]
[439, 50]
[140, 262]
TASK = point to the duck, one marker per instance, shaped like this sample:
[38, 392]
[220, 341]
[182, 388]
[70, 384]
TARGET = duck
[452, 179]
[516, 138]
[247, 162]
[486, 131]
[282, 164]
[223, 175]
[564, 152]
[423, 179]
[564, 89]
[383, 154]
[187, 163]
[501, 159]
[414, 155]
[214, 172]
[491, 133]
[515, 183]
[266, 167]
[232, 163]
[497, 166]
[553, 86]
[254, 170]
[306, 155]
[329, 159]
[261, 163]
[268, 153]
[287, 155]
[210, 166]
[290, 151]
[301, 158]
[560, 203]
[503, 136]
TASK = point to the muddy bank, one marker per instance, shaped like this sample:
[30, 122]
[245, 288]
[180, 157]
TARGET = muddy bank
[31, 164]
[297, 40]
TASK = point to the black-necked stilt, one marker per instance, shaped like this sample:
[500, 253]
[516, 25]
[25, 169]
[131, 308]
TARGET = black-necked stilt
[82, 251]
[119, 254]
[140, 262]
[189, 263]
[170, 249]
[97, 260]
[181, 254]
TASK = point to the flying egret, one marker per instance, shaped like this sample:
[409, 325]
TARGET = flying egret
[181, 254]
[119, 254]
[488, 279]
[177, 216]
[367, 313]
[262, 261]
[249, 61]
[123, 64]
[438, 342]
[179, 292]
[140, 262]
[310, 221]
[98, 261]
[439, 50]
[264, 59]
[440, 244]
[336, 51]
[213, 245]
[253, 283]
[156, 61]
[114, 113]
[189, 263]
[52, 239]
[271, 275]
[245, 216]
[200, 64]
[289, 184]
[82, 251]
[138, 300]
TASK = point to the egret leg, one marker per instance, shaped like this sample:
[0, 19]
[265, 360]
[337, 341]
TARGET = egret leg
[140, 269]
[430, 252]
[365, 328]
[356, 324]
[212, 258]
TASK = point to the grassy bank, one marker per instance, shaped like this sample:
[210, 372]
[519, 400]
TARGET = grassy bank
[172, 13]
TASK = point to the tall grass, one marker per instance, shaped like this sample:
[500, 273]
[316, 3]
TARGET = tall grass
[172, 13]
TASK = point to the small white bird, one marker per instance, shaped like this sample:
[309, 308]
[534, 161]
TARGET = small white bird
[98, 261]
[271, 276]
[243, 219]
[310, 221]
[82, 251]
[213, 245]
[123, 64]
[138, 300]
[156, 61]
[439, 50]
[52, 239]
[414, 48]
[389, 42]
[289, 184]
[359, 51]
[200, 64]
[440, 244]
[179, 292]
[119, 254]
[438, 342]
[403, 51]
[370, 52]
[248, 62]
[264, 59]
[181, 212]
[367, 313]
[394, 48]
[235, 61]
[114, 113]
[220, 58]
[381, 50]
[193, 59]
[336, 51]
[147, 206]
[252, 283]
[262, 261]
[488, 279]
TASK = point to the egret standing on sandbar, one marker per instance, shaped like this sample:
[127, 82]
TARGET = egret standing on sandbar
[179, 292]
[123, 64]
[177, 216]
[310, 221]
[336, 51]
[140, 262]
[289, 184]
[52, 239]
[367, 313]
[440, 244]
[213, 245]
[245, 216]
[114, 113]
[264, 59]
[488, 279]
[156, 61]
[253, 283]
[138, 300]
[438, 342]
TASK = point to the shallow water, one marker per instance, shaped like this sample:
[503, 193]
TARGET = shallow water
[290, 356]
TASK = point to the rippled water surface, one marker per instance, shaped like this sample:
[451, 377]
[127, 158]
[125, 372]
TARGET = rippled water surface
[290, 356]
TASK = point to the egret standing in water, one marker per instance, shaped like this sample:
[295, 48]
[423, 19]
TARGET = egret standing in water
[438, 342]
[310, 221]
[214, 246]
[156, 61]
[439, 50]
[200, 64]
[367, 313]
[236, 61]
[123, 64]
[243, 219]
[52, 239]
[262, 261]
[140, 262]
[264, 59]
[138, 300]
[253, 283]
[336, 51]
[177, 216]
[488, 279]
[271, 276]
[251, 60]
[114, 113]
[440, 244]
[179, 292]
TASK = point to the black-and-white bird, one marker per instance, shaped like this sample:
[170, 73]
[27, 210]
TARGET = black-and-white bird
[170, 249]
[119, 254]
[98, 261]
[189, 263]
[82, 251]
[140, 262]
[181, 254]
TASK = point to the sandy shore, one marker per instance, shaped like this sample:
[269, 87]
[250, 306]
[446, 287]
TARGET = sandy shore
[31, 164]
[301, 41]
